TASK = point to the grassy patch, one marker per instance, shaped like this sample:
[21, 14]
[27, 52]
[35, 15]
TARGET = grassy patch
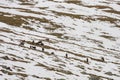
[112, 11]
[94, 77]
[59, 35]
[54, 69]
[109, 19]
[13, 73]
[108, 37]
[28, 28]
[99, 6]
[78, 2]
[80, 66]
[109, 73]
[14, 20]
[61, 79]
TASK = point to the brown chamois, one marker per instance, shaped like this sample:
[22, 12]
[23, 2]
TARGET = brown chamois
[40, 43]
[66, 55]
[22, 43]
[102, 58]
[47, 39]
[43, 49]
[52, 53]
[87, 60]
[33, 42]
[33, 47]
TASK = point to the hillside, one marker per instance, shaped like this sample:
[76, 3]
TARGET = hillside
[60, 40]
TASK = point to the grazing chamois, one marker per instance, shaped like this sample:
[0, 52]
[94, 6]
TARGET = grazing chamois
[102, 58]
[33, 42]
[87, 60]
[47, 39]
[22, 43]
[66, 55]
[40, 43]
[52, 53]
[33, 47]
[43, 49]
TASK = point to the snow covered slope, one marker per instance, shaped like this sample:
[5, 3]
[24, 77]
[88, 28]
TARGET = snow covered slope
[81, 39]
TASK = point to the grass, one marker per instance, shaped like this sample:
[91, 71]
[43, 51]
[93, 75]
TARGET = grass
[54, 69]
[80, 66]
[13, 73]
[109, 73]
[59, 35]
[28, 28]
[99, 6]
[61, 79]
[108, 37]
[94, 77]
[16, 20]
[78, 2]
[112, 11]
[109, 19]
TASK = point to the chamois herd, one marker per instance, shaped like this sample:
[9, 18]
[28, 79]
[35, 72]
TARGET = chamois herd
[52, 53]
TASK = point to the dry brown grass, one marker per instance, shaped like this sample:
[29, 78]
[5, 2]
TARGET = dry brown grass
[54, 69]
